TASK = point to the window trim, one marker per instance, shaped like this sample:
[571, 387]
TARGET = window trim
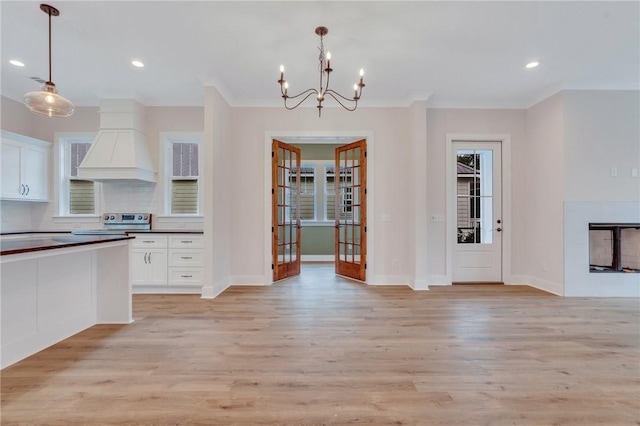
[64, 140]
[167, 140]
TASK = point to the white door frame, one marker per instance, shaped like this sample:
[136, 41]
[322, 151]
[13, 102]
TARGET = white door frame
[451, 223]
[310, 137]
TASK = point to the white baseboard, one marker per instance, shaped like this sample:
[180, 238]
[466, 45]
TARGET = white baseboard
[256, 280]
[438, 280]
[166, 290]
[548, 286]
[519, 280]
[420, 285]
[390, 280]
[211, 292]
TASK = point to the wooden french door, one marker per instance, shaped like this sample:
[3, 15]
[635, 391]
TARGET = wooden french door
[285, 229]
[351, 210]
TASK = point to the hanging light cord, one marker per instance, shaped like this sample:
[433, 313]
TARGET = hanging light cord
[49, 13]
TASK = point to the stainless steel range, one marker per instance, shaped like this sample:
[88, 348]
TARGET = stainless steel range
[119, 223]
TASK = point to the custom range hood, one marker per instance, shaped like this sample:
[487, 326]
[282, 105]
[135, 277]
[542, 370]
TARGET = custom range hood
[120, 150]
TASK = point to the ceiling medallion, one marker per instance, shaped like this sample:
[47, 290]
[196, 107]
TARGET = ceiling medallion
[350, 104]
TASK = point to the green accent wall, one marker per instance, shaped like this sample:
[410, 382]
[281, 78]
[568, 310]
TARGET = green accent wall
[317, 240]
[317, 151]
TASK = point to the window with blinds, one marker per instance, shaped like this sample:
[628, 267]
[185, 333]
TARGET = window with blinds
[184, 179]
[307, 192]
[81, 193]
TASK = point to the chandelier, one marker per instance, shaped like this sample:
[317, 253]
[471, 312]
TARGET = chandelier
[47, 101]
[350, 104]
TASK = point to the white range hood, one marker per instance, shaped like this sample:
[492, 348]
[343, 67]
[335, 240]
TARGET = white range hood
[120, 150]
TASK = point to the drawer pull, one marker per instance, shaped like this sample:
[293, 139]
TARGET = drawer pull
[186, 257]
[148, 241]
[186, 241]
[186, 276]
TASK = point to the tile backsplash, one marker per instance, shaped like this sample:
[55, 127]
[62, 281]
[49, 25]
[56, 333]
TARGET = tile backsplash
[130, 196]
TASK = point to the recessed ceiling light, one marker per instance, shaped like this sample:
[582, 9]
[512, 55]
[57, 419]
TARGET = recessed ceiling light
[137, 63]
[532, 64]
[16, 62]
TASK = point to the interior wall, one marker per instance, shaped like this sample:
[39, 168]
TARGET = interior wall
[219, 191]
[250, 127]
[543, 195]
[601, 148]
[441, 122]
[601, 139]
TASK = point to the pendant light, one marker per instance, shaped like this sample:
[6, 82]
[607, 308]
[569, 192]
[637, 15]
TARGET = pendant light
[47, 101]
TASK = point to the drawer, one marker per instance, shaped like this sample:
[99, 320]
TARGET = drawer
[185, 276]
[186, 241]
[149, 241]
[179, 257]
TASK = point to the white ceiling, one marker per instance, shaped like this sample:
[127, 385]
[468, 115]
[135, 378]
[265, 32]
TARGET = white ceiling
[461, 54]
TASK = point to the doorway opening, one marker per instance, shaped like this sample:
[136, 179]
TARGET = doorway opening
[319, 204]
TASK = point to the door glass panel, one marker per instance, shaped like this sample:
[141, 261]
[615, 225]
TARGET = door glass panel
[474, 188]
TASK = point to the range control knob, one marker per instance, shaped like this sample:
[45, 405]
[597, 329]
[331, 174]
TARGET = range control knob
[146, 217]
[106, 217]
[139, 217]
[112, 217]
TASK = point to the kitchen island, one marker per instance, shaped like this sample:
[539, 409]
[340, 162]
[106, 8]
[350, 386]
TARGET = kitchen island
[56, 285]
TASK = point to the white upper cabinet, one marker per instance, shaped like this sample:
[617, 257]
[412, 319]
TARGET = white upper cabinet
[25, 168]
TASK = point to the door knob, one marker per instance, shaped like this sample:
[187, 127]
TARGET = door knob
[499, 229]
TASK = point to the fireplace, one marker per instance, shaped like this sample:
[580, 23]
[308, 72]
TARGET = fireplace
[614, 247]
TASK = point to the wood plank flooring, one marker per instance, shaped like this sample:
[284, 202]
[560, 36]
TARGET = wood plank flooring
[318, 349]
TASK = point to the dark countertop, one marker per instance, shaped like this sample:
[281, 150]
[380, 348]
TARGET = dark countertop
[34, 243]
[152, 231]
[166, 231]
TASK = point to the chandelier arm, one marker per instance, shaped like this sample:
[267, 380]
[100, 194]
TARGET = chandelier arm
[334, 94]
[307, 92]
[311, 92]
[355, 105]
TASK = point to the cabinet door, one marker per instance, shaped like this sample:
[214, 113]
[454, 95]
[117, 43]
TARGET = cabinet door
[157, 266]
[35, 173]
[11, 187]
[139, 267]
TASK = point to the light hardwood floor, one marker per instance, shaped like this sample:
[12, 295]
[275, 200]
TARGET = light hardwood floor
[323, 350]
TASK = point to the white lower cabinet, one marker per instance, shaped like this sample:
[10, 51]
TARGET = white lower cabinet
[167, 263]
[149, 267]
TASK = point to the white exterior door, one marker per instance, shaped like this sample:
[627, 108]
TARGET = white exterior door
[477, 253]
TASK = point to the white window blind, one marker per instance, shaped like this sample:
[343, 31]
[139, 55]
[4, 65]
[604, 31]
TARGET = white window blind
[307, 192]
[81, 192]
[184, 181]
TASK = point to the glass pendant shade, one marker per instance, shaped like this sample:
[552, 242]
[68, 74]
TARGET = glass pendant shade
[48, 102]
